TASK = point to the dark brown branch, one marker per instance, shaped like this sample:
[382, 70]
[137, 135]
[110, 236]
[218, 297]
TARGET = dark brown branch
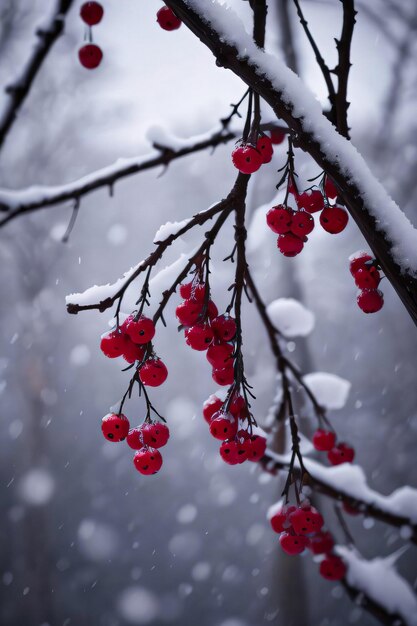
[403, 282]
[102, 178]
[19, 89]
[343, 67]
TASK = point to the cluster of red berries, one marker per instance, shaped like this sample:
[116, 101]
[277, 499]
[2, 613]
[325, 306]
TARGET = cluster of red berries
[229, 422]
[367, 277]
[167, 19]
[248, 158]
[145, 439]
[90, 55]
[300, 528]
[132, 340]
[337, 453]
[293, 226]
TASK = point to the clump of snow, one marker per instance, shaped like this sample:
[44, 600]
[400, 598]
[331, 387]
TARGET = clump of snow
[138, 605]
[168, 229]
[290, 317]
[379, 580]
[36, 487]
[331, 391]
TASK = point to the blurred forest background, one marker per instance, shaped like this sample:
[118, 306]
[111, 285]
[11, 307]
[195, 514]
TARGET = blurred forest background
[84, 539]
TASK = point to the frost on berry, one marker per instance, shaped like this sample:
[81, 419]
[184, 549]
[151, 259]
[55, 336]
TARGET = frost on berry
[115, 427]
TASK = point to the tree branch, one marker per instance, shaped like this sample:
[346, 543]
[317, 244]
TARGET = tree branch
[343, 67]
[19, 89]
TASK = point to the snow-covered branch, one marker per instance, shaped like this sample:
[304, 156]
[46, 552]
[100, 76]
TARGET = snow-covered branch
[166, 149]
[388, 231]
[18, 90]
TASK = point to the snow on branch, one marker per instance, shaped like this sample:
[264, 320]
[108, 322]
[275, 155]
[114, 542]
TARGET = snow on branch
[388, 231]
[348, 483]
[18, 90]
[167, 148]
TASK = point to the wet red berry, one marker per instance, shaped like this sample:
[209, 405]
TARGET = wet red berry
[134, 439]
[140, 331]
[219, 355]
[332, 568]
[334, 219]
[199, 336]
[277, 136]
[153, 373]
[224, 327]
[211, 406]
[321, 543]
[265, 149]
[293, 544]
[312, 201]
[324, 440]
[224, 376]
[256, 448]
[167, 19]
[279, 219]
[133, 352]
[330, 188]
[148, 461]
[155, 434]
[279, 518]
[223, 426]
[367, 278]
[91, 13]
[195, 291]
[357, 261]
[370, 300]
[237, 405]
[188, 312]
[246, 159]
[342, 453]
[113, 344]
[306, 520]
[115, 427]
[302, 223]
[289, 244]
[233, 452]
[90, 56]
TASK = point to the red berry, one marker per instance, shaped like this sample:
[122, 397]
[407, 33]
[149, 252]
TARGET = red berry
[115, 427]
[312, 200]
[290, 245]
[246, 159]
[211, 406]
[370, 300]
[302, 223]
[113, 344]
[237, 405]
[167, 19]
[277, 136]
[195, 291]
[324, 440]
[91, 13]
[188, 312]
[148, 461]
[306, 520]
[199, 336]
[321, 543]
[224, 376]
[153, 372]
[134, 439]
[330, 188]
[358, 261]
[140, 331]
[133, 352]
[90, 56]
[257, 447]
[223, 426]
[219, 355]
[279, 219]
[155, 434]
[212, 310]
[224, 327]
[367, 278]
[334, 219]
[265, 149]
[293, 544]
[342, 453]
[332, 568]
[279, 519]
[233, 452]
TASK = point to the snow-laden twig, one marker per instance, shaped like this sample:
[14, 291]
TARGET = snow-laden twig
[347, 483]
[18, 90]
[16, 203]
[389, 233]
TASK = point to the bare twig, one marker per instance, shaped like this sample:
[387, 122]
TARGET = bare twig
[343, 67]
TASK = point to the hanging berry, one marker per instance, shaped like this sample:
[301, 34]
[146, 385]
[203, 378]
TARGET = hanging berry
[167, 19]
[91, 13]
[90, 56]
